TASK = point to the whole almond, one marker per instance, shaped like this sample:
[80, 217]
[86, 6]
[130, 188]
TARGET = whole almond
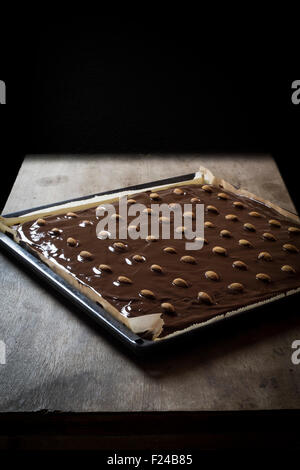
[71, 214]
[269, 236]
[212, 209]
[170, 249]
[249, 227]
[201, 239]
[56, 231]
[148, 210]
[240, 265]
[154, 196]
[263, 277]
[294, 230]
[131, 201]
[209, 224]
[178, 191]
[139, 258]
[71, 241]
[105, 267]
[290, 248]
[207, 188]
[219, 250]
[86, 255]
[151, 238]
[205, 298]
[168, 308]
[223, 196]
[189, 215]
[254, 214]
[212, 275]
[124, 280]
[265, 256]
[231, 217]
[164, 220]
[156, 268]
[180, 282]
[245, 243]
[275, 223]
[238, 205]
[119, 246]
[225, 233]
[180, 229]
[116, 217]
[41, 222]
[147, 293]
[103, 235]
[188, 259]
[84, 223]
[288, 269]
[195, 200]
[236, 287]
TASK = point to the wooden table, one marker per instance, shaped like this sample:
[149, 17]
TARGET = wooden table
[59, 361]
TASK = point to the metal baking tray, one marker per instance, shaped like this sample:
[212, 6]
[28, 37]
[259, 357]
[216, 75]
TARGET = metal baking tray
[135, 343]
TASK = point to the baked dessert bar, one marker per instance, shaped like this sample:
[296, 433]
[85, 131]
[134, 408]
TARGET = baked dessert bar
[158, 288]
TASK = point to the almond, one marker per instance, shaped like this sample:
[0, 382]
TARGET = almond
[201, 239]
[207, 188]
[105, 267]
[41, 222]
[245, 243]
[238, 205]
[189, 215]
[212, 209]
[147, 293]
[180, 229]
[139, 258]
[174, 206]
[71, 214]
[209, 224]
[254, 214]
[269, 236]
[116, 217]
[119, 246]
[131, 201]
[154, 196]
[240, 265]
[180, 282]
[170, 249]
[85, 223]
[236, 287]
[263, 277]
[55, 231]
[294, 230]
[265, 256]
[249, 227]
[275, 223]
[195, 200]
[178, 191]
[188, 259]
[212, 275]
[231, 217]
[124, 280]
[205, 298]
[164, 220]
[86, 255]
[103, 235]
[290, 248]
[156, 268]
[168, 308]
[219, 250]
[288, 269]
[151, 238]
[225, 233]
[71, 241]
[148, 210]
[223, 196]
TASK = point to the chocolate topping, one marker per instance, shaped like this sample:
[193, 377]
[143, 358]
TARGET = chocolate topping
[140, 277]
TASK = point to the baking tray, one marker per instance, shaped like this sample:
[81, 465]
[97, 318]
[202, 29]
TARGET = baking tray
[135, 343]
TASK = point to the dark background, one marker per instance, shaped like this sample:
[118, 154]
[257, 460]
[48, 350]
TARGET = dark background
[113, 84]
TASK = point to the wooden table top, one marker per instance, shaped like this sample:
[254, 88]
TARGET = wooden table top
[59, 360]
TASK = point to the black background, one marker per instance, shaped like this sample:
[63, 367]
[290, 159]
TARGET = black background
[142, 85]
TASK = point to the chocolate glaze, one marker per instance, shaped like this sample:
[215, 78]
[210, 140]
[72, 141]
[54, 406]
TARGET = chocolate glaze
[188, 310]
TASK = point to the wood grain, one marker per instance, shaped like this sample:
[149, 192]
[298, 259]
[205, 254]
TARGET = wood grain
[59, 360]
